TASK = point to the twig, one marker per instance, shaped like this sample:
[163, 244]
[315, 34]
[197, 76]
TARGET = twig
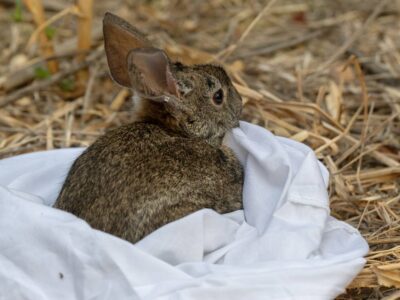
[228, 51]
[42, 84]
[364, 95]
[356, 35]
[27, 72]
[306, 107]
[69, 10]
[279, 46]
[84, 32]
[379, 156]
[89, 89]
[63, 49]
[47, 4]
[340, 136]
[36, 8]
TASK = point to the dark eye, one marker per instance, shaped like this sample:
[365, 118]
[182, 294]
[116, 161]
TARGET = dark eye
[218, 97]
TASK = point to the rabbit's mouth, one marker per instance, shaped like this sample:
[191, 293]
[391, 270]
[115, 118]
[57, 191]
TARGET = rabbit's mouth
[217, 134]
[236, 123]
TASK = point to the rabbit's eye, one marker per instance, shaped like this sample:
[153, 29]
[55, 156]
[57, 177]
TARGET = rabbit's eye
[218, 97]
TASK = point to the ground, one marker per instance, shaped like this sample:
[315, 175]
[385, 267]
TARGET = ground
[325, 73]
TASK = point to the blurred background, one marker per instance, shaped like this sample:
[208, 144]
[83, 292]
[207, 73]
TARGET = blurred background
[325, 73]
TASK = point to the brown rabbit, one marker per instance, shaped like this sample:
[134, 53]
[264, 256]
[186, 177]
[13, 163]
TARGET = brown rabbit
[170, 162]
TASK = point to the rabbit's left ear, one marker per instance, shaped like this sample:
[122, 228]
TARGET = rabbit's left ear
[150, 73]
[119, 39]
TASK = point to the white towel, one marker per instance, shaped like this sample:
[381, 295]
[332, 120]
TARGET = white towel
[283, 246]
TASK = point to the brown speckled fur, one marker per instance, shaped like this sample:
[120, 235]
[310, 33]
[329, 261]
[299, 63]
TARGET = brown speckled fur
[164, 166]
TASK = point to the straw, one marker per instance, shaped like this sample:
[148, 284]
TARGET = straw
[326, 73]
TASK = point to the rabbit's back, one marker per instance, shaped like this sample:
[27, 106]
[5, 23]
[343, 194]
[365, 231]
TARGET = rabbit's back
[138, 177]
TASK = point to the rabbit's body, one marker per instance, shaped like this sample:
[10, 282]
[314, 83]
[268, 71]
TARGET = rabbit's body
[125, 191]
[170, 162]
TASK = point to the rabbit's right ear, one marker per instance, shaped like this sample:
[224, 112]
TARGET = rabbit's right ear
[119, 39]
[150, 73]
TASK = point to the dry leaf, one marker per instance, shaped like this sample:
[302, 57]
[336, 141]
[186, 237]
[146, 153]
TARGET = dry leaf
[333, 101]
[388, 275]
[344, 73]
[300, 136]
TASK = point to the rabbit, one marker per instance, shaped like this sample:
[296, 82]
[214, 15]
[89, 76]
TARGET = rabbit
[168, 163]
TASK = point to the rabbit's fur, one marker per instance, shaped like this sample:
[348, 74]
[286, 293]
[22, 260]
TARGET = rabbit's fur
[170, 162]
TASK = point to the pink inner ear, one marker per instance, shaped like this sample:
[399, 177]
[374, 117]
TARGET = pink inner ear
[171, 83]
[153, 64]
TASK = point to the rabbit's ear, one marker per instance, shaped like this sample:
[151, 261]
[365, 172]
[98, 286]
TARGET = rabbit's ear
[150, 72]
[119, 38]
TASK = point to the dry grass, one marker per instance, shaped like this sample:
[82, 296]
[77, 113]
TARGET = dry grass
[325, 73]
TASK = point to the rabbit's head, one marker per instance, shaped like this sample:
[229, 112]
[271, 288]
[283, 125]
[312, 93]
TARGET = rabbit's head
[196, 101]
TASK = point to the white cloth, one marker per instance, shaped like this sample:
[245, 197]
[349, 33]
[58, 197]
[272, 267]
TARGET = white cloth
[288, 247]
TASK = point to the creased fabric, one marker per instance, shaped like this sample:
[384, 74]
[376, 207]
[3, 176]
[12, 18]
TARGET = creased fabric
[283, 245]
